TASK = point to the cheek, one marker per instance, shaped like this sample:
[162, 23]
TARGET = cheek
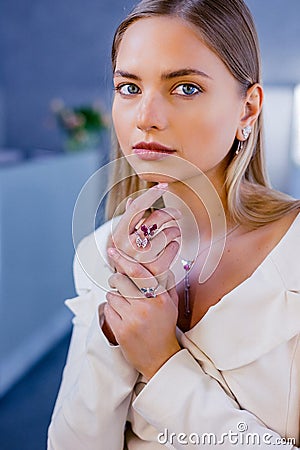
[122, 126]
[210, 130]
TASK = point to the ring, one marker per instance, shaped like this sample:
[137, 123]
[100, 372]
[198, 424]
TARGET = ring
[141, 242]
[149, 231]
[149, 292]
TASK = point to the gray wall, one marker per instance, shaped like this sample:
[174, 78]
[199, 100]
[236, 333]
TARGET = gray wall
[52, 49]
[61, 49]
[36, 254]
[278, 25]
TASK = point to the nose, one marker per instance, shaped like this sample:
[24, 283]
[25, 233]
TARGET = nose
[151, 114]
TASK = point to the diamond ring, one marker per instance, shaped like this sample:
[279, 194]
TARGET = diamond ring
[141, 242]
[149, 292]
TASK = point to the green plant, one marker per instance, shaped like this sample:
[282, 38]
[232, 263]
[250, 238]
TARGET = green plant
[81, 124]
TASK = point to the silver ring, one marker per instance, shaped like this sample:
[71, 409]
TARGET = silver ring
[149, 292]
[141, 242]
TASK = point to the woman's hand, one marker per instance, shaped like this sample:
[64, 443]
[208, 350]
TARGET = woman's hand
[156, 253]
[145, 328]
[129, 232]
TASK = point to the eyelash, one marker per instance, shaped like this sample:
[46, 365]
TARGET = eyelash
[119, 87]
[194, 86]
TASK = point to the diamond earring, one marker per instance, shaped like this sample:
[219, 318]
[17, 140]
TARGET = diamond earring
[239, 147]
[246, 132]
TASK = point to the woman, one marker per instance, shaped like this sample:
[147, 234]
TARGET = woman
[196, 341]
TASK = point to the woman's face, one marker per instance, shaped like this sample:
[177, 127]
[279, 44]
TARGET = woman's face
[172, 91]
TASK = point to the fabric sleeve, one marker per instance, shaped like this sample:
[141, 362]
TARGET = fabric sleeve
[92, 405]
[191, 409]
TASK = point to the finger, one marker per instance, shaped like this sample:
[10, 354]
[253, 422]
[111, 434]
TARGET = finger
[171, 287]
[116, 266]
[113, 321]
[140, 276]
[111, 315]
[109, 244]
[133, 215]
[171, 233]
[154, 247]
[118, 303]
[137, 208]
[162, 217]
[128, 203]
[163, 262]
[125, 286]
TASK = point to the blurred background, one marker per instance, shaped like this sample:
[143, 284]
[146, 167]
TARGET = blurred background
[55, 97]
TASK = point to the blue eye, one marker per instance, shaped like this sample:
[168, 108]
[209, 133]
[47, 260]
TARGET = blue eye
[187, 90]
[128, 89]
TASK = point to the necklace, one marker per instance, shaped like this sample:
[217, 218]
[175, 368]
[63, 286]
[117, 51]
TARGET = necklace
[188, 264]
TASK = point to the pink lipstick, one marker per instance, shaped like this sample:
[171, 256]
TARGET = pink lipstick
[152, 151]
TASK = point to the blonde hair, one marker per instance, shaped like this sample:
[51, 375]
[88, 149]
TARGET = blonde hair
[228, 29]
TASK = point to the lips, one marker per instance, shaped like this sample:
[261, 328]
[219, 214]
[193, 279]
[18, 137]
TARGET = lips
[153, 147]
[152, 150]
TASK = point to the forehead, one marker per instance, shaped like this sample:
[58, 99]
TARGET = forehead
[167, 42]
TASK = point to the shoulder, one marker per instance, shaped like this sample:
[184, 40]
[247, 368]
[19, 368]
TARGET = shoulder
[286, 254]
[91, 268]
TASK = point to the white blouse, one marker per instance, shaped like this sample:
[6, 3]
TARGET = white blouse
[235, 383]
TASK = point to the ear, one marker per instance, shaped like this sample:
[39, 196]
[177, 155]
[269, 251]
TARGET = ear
[251, 108]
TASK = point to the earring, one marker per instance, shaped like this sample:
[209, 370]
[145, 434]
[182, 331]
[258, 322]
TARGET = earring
[239, 147]
[246, 132]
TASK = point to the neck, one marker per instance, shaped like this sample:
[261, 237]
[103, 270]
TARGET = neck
[203, 205]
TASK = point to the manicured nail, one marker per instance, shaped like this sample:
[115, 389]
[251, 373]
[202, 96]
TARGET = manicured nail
[161, 186]
[129, 201]
[112, 252]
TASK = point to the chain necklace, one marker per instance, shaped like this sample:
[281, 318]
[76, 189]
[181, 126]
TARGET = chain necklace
[188, 264]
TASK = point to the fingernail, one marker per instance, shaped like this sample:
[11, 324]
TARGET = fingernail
[129, 201]
[161, 186]
[112, 252]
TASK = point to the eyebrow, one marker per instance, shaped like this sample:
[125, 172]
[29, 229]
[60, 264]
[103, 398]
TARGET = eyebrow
[165, 75]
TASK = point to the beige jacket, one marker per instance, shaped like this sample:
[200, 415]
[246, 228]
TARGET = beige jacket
[235, 383]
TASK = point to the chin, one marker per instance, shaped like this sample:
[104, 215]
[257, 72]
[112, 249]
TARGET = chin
[156, 178]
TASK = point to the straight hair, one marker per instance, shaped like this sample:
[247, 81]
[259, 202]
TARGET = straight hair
[228, 29]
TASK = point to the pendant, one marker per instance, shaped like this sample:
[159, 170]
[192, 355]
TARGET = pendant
[187, 265]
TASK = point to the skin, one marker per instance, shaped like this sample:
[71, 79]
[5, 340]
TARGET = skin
[140, 324]
[184, 122]
[198, 115]
[159, 256]
[201, 127]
